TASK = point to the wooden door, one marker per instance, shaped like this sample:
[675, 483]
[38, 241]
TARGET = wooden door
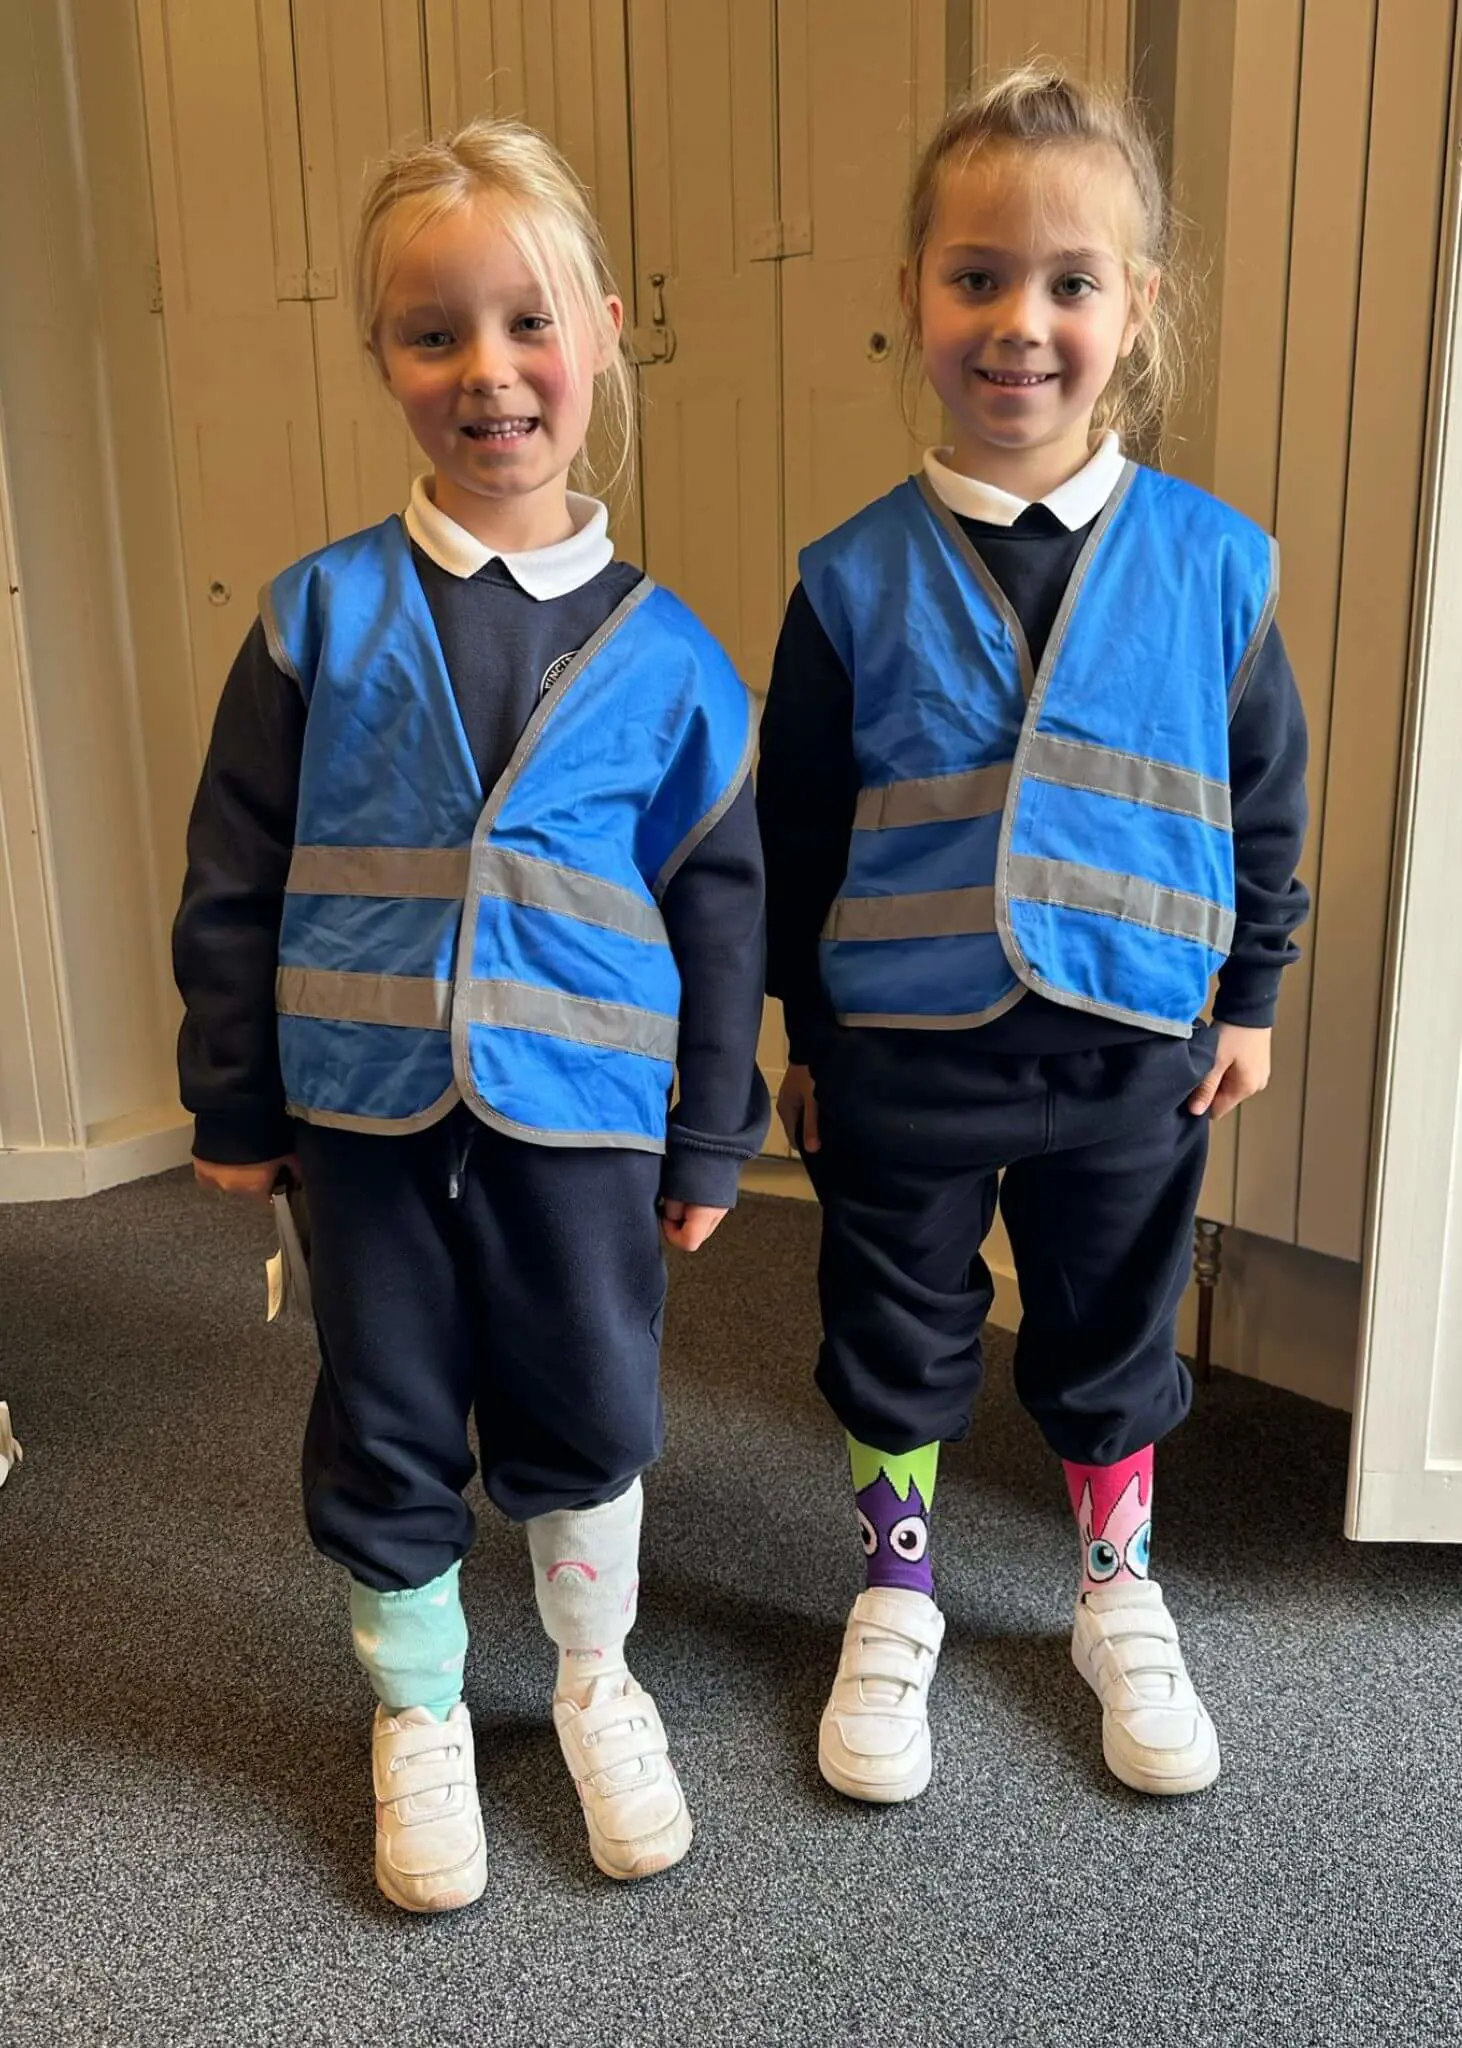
[379, 79]
[362, 91]
[703, 112]
[861, 86]
[703, 123]
[1090, 35]
[560, 65]
[228, 186]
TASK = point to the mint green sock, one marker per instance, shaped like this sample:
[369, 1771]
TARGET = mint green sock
[413, 1644]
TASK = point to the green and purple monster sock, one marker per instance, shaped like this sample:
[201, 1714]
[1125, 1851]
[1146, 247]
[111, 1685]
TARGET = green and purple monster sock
[894, 1495]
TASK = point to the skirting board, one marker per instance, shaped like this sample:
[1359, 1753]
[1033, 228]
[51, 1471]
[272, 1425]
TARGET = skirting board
[123, 1149]
[1288, 1317]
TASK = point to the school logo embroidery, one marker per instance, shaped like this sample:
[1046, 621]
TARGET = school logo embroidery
[554, 670]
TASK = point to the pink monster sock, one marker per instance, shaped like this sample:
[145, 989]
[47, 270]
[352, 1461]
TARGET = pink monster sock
[1113, 1509]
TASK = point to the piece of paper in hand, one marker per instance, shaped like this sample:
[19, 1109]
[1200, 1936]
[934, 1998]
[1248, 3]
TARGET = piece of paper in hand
[10, 1451]
[287, 1272]
[274, 1282]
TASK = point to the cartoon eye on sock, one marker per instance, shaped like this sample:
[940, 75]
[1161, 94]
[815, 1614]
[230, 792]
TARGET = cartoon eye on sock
[892, 1521]
[893, 1495]
[1124, 1541]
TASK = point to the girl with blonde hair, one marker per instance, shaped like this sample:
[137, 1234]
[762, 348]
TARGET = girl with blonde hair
[473, 876]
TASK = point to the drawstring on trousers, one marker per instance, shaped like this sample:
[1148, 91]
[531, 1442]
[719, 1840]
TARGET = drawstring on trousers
[457, 1172]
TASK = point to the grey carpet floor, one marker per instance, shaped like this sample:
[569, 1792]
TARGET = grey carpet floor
[185, 1811]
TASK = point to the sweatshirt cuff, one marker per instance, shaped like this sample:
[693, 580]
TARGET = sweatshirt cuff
[1249, 998]
[232, 1138]
[710, 1180]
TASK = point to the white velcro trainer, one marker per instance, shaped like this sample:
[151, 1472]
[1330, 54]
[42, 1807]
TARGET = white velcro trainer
[619, 1757]
[1156, 1734]
[430, 1851]
[873, 1742]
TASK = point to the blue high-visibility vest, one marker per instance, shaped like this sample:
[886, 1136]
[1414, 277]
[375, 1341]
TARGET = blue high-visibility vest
[1064, 828]
[505, 947]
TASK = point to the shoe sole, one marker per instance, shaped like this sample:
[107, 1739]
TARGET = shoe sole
[666, 1850]
[894, 1793]
[1197, 1780]
[451, 1898]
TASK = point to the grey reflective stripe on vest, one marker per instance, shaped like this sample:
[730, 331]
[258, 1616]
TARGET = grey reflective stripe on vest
[273, 638]
[413, 1000]
[544, 885]
[517, 1006]
[1259, 635]
[1068, 886]
[1109, 772]
[930, 914]
[706, 825]
[915, 1020]
[411, 871]
[933, 799]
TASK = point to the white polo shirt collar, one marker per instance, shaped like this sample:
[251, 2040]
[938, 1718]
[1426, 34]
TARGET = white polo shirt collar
[1075, 503]
[542, 572]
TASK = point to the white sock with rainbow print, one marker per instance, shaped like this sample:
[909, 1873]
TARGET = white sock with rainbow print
[586, 1566]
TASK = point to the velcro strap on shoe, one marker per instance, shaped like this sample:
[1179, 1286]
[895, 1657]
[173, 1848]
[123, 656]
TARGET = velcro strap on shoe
[612, 1733]
[923, 1624]
[1124, 1624]
[1136, 1656]
[417, 1760]
[884, 1658]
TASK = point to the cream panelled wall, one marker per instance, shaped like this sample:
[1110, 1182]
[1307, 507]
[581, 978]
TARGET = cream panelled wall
[1308, 143]
[98, 743]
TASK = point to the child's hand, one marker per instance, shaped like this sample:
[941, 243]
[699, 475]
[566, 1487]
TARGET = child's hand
[1240, 1069]
[687, 1225]
[797, 1107]
[255, 1182]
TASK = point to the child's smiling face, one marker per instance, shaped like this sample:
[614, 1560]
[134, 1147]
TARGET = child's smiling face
[1025, 307]
[495, 391]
